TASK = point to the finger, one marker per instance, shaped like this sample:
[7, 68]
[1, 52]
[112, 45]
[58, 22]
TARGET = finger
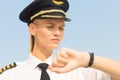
[61, 59]
[58, 69]
[64, 69]
[63, 53]
[61, 69]
[58, 62]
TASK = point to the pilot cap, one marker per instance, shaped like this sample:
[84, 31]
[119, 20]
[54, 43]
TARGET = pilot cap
[45, 9]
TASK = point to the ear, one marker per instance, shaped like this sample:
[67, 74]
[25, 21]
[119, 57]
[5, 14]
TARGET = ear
[31, 28]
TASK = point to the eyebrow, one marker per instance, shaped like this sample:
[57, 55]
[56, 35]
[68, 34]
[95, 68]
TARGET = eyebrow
[54, 24]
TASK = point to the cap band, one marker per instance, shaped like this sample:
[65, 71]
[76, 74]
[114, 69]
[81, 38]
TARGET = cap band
[46, 11]
[52, 16]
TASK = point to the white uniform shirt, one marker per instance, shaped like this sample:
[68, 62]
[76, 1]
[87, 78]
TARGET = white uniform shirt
[28, 70]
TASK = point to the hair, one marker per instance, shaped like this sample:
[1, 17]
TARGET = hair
[32, 43]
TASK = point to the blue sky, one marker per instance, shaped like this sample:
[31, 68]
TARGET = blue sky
[95, 27]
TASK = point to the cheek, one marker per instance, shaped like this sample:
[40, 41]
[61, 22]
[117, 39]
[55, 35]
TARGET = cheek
[43, 34]
[62, 35]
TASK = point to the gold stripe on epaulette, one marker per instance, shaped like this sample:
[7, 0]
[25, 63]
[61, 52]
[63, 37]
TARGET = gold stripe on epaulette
[12, 64]
[0, 71]
[4, 68]
[7, 67]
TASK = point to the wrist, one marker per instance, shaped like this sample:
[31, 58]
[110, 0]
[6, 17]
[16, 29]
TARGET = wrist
[86, 58]
[91, 59]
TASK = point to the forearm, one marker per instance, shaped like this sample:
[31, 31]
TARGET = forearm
[115, 78]
[107, 65]
[67, 57]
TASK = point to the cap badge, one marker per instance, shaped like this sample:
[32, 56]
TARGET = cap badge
[57, 2]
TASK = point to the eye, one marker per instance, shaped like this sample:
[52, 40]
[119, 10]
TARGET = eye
[61, 28]
[50, 26]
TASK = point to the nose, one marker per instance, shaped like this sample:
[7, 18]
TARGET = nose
[57, 32]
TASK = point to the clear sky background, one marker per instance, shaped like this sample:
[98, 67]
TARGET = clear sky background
[95, 27]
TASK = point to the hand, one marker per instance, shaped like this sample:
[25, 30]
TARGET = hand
[67, 60]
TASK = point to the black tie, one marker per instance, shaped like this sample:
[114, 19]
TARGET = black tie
[44, 74]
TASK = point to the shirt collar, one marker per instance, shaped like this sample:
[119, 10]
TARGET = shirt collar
[34, 61]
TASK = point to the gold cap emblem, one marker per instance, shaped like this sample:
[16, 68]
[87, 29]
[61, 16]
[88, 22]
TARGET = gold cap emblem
[57, 2]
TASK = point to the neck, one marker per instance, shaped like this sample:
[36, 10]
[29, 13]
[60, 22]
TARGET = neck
[41, 53]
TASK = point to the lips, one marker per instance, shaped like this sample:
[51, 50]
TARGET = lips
[55, 40]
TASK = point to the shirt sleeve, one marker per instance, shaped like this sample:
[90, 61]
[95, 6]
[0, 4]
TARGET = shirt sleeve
[93, 74]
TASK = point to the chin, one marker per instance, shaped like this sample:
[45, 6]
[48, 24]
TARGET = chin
[54, 47]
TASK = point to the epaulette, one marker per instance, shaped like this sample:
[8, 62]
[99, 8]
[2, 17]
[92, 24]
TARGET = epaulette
[7, 67]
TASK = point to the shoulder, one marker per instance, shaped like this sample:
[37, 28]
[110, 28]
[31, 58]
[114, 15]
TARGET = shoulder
[7, 67]
[10, 67]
